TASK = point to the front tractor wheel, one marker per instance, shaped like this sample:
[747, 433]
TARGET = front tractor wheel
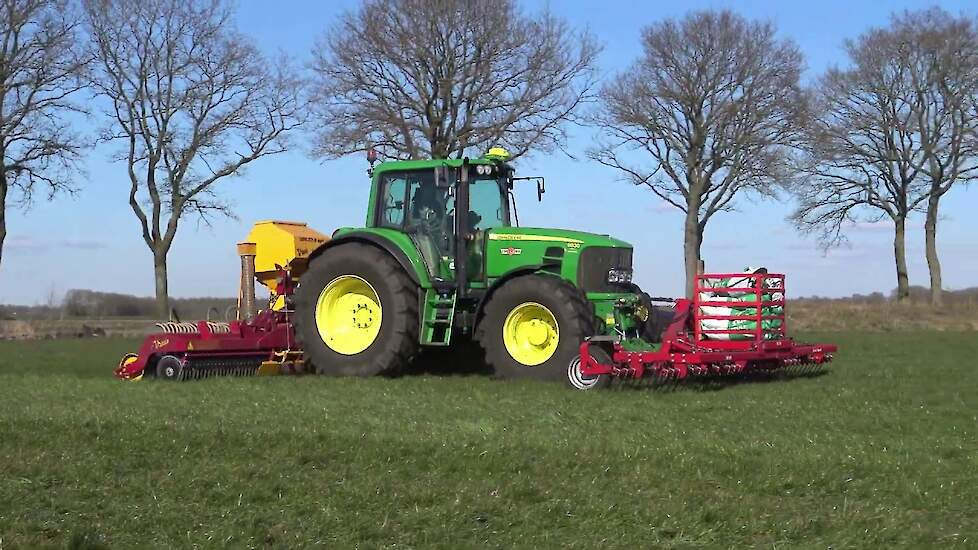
[356, 312]
[533, 327]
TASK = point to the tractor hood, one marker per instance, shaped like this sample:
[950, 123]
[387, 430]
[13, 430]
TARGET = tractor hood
[584, 259]
[576, 239]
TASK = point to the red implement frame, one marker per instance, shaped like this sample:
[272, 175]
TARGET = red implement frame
[689, 349]
[269, 337]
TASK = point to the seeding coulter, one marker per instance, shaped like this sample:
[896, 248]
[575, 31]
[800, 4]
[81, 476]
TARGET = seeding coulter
[439, 261]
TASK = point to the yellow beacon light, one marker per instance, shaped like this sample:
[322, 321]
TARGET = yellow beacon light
[497, 153]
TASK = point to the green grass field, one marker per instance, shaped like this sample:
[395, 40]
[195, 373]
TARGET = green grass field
[881, 451]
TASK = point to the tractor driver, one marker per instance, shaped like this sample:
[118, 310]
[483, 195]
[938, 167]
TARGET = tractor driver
[428, 204]
[430, 216]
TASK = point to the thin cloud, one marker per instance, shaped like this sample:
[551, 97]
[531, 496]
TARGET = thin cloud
[848, 253]
[20, 242]
[25, 243]
[878, 226]
[724, 245]
[801, 247]
[662, 208]
[82, 244]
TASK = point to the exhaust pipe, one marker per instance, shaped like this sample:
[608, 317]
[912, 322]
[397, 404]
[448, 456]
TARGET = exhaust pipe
[246, 290]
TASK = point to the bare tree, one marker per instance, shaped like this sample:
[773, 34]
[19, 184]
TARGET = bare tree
[715, 103]
[419, 78]
[863, 150]
[894, 132]
[39, 72]
[192, 100]
[940, 52]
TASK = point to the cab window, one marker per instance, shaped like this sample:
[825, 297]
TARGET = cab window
[393, 200]
[410, 200]
[487, 206]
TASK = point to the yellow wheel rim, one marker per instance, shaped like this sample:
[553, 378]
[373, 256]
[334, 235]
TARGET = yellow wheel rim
[530, 334]
[348, 315]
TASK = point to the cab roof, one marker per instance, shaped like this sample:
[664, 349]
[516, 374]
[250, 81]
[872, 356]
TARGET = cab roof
[429, 163]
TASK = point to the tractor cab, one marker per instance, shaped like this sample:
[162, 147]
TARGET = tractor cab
[445, 206]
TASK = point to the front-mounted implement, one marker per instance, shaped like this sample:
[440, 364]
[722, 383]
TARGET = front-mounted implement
[734, 324]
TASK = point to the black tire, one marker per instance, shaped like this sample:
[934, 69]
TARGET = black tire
[575, 321]
[578, 381]
[169, 367]
[397, 341]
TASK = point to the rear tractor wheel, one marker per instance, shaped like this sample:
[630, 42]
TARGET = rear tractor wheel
[533, 327]
[356, 312]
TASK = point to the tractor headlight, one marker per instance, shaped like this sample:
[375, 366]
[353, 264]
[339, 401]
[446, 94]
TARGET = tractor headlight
[619, 276]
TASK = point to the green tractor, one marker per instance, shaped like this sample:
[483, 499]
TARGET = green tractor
[440, 260]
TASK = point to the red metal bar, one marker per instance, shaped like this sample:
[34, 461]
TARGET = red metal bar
[761, 284]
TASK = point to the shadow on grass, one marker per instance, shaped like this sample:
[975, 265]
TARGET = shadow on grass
[463, 358]
[466, 359]
[717, 383]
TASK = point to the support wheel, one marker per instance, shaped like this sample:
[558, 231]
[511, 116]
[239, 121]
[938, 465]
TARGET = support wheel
[533, 326]
[169, 367]
[580, 381]
[356, 312]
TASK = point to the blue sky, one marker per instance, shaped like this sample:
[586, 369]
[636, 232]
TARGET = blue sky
[91, 240]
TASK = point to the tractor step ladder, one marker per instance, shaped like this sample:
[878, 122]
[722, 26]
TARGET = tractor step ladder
[437, 314]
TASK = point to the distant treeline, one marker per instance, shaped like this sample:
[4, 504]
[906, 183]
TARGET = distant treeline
[918, 295]
[90, 304]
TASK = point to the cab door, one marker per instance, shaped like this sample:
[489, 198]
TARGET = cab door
[421, 203]
[488, 209]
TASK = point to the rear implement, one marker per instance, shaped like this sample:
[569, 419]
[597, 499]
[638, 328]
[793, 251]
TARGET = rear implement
[257, 341]
[187, 351]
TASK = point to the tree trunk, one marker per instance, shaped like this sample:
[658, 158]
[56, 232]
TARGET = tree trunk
[693, 238]
[3, 230]
[900, 254]
[933, 261]
[162, 291]
[3, 213]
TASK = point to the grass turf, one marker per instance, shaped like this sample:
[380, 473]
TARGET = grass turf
[881, 451]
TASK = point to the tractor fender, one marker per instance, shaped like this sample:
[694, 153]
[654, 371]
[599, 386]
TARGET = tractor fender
[533, 269]
[380, 242]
